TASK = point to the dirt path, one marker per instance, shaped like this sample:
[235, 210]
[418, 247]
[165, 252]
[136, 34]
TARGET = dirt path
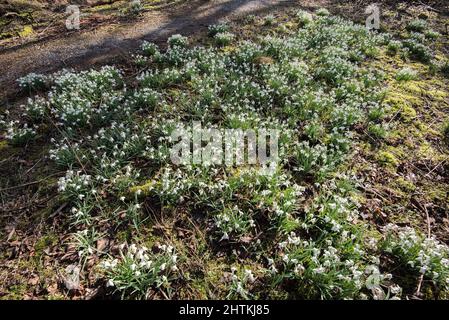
[102, 44]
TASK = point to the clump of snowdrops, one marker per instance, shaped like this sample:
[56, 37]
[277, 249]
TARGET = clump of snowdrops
[114, 141]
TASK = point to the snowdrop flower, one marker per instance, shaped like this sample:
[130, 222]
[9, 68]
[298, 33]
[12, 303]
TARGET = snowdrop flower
[319, 270]
[249, 275]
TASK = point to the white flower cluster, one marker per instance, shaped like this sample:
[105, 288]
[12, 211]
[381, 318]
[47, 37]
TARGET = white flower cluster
[177, 40]
[146, 98]
[218, 28]
[318, 159]
[19, 135]
[123, 180]
[329, 270]
[339, 263]
[119, 142]
[140, 60]
[335, 66]
[240, 282]
[224, 38]
[88, 97]
[233, 222]
[426, 255]
[36, 108]
[138, 270]
[86, 239]
[81, 213]
[149, 49]
[406, 74]
[33, 81]
[67, 154]
[172, 185]
[76, 185]
[160, 79]
[304, 17]
[323, 12]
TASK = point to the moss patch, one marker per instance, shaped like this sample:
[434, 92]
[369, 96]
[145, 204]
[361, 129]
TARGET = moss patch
[26, 32]
[387, 159]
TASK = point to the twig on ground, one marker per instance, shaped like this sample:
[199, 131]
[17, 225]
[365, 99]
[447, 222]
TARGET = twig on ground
[439, 164]
[29, 183]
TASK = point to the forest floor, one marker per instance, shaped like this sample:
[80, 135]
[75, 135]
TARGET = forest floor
[399, 157]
